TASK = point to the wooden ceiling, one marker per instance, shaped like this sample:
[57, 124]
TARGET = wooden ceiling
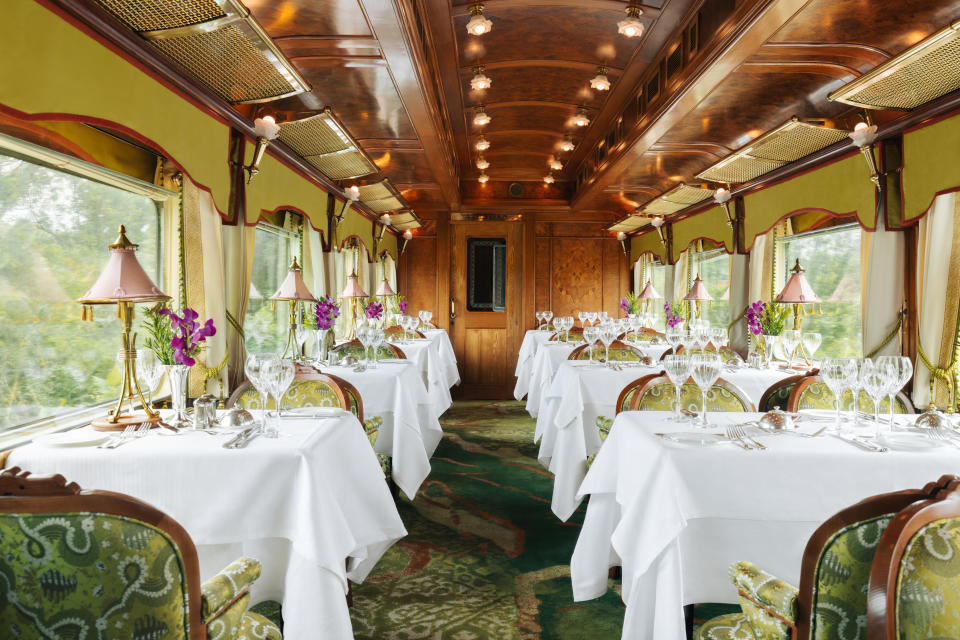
[706, 77]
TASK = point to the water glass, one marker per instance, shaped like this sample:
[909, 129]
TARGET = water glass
[790, 339]
[678, 369]
[851, 369]
[875, 383]
[548, 316]
[377, 336]
[279, 375]
[811, 342]
[582, 316]
[834, 376]
[608, 334]
[254, 367]
[149, 371]
[706, 371]
[900, 370]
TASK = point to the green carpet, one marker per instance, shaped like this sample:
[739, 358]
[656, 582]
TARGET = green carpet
[485, 557]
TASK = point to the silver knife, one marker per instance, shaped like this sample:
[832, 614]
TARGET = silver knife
[237, 439]
[861, 444]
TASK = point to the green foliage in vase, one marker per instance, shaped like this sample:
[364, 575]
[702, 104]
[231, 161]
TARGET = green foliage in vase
[159, 333]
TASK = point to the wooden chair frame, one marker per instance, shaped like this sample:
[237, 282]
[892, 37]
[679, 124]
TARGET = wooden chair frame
[794, 401]
[304, 373]
[944, 502]
[395, 350]
[779, 384]
[639, 382]
[20, 493]
[397, 329]
[660, 378]
[616, 344]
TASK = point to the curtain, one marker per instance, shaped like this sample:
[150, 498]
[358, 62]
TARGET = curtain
[238, 244]
[938, 287]
[390, 267]
[881, 297]
[738, 299]
[314, 262]
[761, 268]
[681, 277]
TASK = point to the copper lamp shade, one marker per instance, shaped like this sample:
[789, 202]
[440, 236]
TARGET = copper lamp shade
[293, 287]
[385, 289]
[698, 292]
[649, 292]
[797, 290]
[123, 279]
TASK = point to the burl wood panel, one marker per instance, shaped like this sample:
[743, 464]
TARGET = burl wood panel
[418, 276]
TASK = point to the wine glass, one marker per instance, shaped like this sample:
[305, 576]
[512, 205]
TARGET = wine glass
[874, 380]
[427, 317]
[674, 336]
[900, 369]
[591, 317]
[254, 368]
[790, 339]
[851, 368]
[582, 316]
[608, 333]
[678, 369]
[548, 316]
[834, 376]
[706, 371]
[590, 338]
[364, 337]
[300, 334]
[149, 371]
[377, 336]
[279, 373]
[769, 345]
[811, 342]
[720, 338]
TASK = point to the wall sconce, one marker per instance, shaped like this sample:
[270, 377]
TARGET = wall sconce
[405, 238]
[622, 239]
[266, 129]
[722, 198]
[658, 224]
[353, 194]
[863, 136]
[384, 223]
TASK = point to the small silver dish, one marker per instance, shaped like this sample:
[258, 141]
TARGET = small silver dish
[777, 420]
[349, 361]
[236, 418]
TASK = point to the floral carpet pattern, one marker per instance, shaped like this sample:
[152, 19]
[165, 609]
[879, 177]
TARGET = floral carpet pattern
[485, 558]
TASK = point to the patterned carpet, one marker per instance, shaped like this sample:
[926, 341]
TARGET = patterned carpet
[485, 557]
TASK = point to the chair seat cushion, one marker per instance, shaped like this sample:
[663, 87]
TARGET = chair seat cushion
[256, 627]
[732, 626]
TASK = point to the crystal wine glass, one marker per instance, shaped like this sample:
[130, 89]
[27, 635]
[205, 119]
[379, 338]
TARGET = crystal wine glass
[590, 338]
[901, 370]
[149, 371]
[811, 342]
[364, 336]
[674, 336]
[834, 376]
[377, 336]
[548, 316]
[678, 369]
[582, 316]
[608, 333]
[851, 368]
[300, 333]
[427, 317]
[874, 382]
[279, 373]
[790, 339]
[706, 371]
[254, 368]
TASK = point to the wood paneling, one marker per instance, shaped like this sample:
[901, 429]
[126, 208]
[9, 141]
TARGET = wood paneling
[487, 364]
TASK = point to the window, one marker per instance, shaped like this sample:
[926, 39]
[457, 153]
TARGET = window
[486, 274]
[273, 251]
[54, 232]
[831, 259]
[657, 274]
[714, 269]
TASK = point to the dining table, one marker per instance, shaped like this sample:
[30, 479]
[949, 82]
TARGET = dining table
[580, 392]
[533, 339]
[311, 505]
[675, 506]
[395, 391]
[434, 357]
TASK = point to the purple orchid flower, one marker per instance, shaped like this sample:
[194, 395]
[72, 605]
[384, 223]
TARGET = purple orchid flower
[327, 310]
[374, 310]
[189, 335]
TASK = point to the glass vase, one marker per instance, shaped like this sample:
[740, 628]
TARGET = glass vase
[769, 344]
[321, 336]
[178, 374]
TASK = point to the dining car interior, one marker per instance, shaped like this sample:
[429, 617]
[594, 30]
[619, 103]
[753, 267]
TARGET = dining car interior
[480, 319]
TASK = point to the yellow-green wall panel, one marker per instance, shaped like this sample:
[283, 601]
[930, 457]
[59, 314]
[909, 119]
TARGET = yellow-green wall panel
[648, 242]
[931, 165]
[279, 187]
[710, 225]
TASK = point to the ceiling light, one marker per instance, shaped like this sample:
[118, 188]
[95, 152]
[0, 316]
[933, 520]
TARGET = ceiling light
[480, 118]
[353, 193]
[407, 234]
[631, 26]
[480, 81]
[556, 165]
[385, 219]
[581, 119]
[567, 144]
[600, 82]
[482, 144]
[483, 178]
[478, 24]
[482, 163]
[548, 178]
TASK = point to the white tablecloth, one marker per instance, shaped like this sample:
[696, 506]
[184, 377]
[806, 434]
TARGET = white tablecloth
[302, 504]
[448, 359]
[580, 392]
[437, 365]
[395, 391]
[545, 365]
[532, 340]
[675, 518]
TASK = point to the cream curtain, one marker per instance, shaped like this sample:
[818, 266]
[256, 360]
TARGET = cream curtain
[881, 297]
[738, 299]
[938, 287]
[681, 277]
[314, 262]
[761, 268]
[238, 244]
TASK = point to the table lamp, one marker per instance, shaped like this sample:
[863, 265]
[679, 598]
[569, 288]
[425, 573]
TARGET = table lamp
[295, 291]
[798, 292]
[123, 282]
[649, 294]
[698, 293]
[353, 293]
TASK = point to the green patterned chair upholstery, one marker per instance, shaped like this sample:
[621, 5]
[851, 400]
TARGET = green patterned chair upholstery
[546, 327]
[89, 564]
[813, 393]
[831, 603]
[619, 352]
[306, 390]
[778, 394]
[623, 404]
[657, 393]
[355, 348]
[645, 335]
[574, 335]
[398, 330]
[726, 353]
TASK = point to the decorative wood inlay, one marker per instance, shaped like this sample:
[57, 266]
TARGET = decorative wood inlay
[613, 6]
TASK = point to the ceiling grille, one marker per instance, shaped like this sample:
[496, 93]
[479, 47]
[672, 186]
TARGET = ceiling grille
[785, 144]
[405, 220]
[381, 197]
[323, 142]
[629, 224]
[677, 199]
[924, 72]
[384, 204]
[375, 191]
[216, 42]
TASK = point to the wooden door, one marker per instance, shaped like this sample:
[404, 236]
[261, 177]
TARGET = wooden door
[486, 313]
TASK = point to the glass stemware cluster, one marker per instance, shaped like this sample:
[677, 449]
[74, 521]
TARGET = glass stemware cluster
[885, 376]
[563, 324]
[543, 318]
[425, 318]
[270, 375]
[371, 338]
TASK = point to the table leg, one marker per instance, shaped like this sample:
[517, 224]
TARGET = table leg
[688, 620]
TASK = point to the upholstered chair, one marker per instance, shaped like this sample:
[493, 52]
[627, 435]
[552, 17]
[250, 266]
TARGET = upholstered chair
[657, 393]
[355, 348]
[645, 334]
[92, 564]
[574, 335]
[619, 352]
[398, 330]
[812, 393]
[914, 583]
[831, 603]
[726, 353]
[778, 394]
[546, 327]
[623, 404]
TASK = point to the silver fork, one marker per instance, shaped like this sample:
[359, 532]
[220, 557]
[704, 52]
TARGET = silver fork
[743, 435]
[736, 439]
[940, 435]
[117, 439]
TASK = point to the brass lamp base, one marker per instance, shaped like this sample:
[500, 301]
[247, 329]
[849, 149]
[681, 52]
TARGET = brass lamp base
[124, 421]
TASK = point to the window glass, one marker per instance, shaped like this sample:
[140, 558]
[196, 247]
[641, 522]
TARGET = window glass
[54, 232]
[714, 269]
[486, 274]
[831, 260]
[266, 328]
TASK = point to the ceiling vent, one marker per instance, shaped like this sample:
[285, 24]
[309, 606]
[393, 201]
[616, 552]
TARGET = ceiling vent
[405, 220]
[515, 190]
[677, 199]
[785, 144]
[381, 197]
[629, 223]
[217, 42]
[924, 72]
[323, 142]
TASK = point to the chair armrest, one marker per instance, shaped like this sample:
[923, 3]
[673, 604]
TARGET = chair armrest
[220, 591]
[768, 593]
[372, 424]
[604, 424]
